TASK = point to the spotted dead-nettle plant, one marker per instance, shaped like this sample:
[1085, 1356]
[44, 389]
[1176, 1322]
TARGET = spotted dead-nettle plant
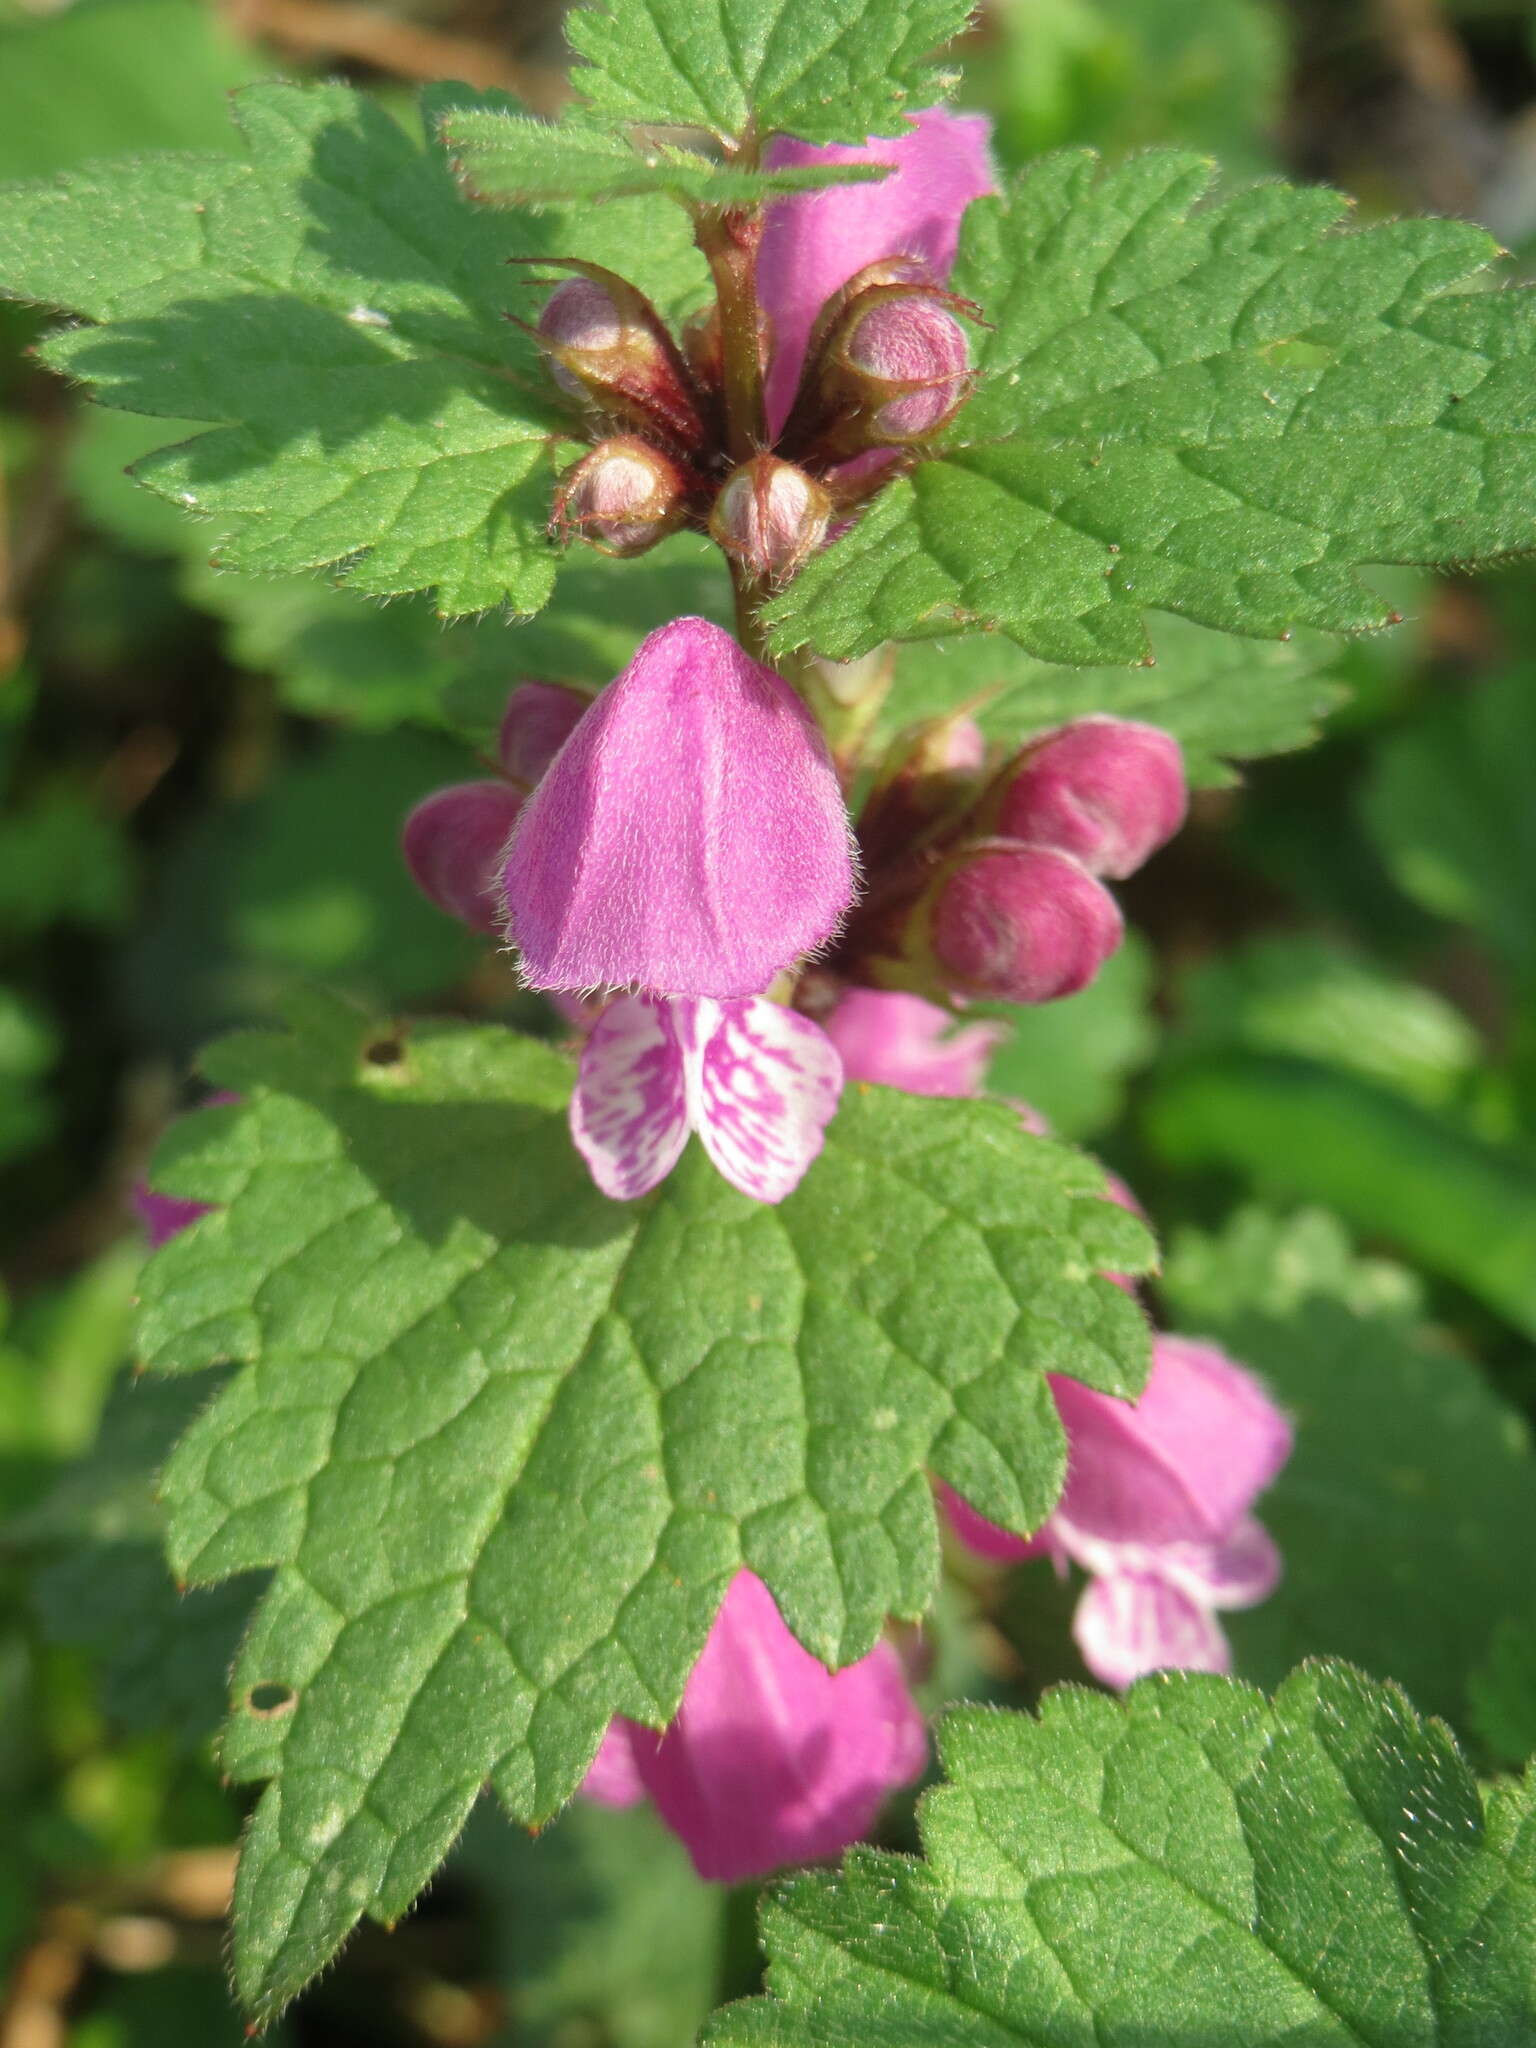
[583, 1457]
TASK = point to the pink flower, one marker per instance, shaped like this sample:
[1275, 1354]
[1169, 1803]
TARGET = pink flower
[814, 242]
[1110, 791]
[903, 1042]
[689, 838]
[454, 839]
[772, 1759]
[758, 1083]
[1020, 924]
[1157, 1511]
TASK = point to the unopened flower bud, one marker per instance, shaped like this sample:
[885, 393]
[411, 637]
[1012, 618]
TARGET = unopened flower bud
[888, 366]
[536, 724]
[1109, 790]
[451, 843]
[913, 353]
[770, 516]
[608, 346]
[932, 770]
[623, 496]
[1020, 924]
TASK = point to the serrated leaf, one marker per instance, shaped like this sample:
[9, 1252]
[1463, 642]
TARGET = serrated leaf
[1406, 1515]
[827, 70]
[1218, 410]
[465, 1368]
[507, 157]
[1191, 1867]
[336, 306]
[1222, 698]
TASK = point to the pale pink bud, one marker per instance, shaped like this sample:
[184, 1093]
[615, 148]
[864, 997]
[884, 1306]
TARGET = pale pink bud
[689, 838]
[538, 720]
[772, 1759]
[1021, 924]
[1157, 1509]
[623, 496]
[814, 242]
[607, 345]
[905, 358]
[770, 516]
[902, 1042]
[1108, 790]
[452, 844]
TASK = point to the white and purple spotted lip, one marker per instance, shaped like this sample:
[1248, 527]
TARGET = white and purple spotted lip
[759, 1084]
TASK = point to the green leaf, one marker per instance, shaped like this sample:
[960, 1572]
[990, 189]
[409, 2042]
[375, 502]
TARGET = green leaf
[1189, 1867]
[336, 306]
[1219, 410]
[1449, 808]
[1410, 1175]
[827, 70]
[464, 1367]
[599, 1928]
[510, 159]
[1223, 699]
[1407, 1513]
[1302, 994]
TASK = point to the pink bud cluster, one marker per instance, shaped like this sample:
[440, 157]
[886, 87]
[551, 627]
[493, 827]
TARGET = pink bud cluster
[864, 352]
[994, 886]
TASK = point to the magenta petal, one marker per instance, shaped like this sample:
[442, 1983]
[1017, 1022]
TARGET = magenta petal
[538, 720]
[613, 1777]
[772, 1759]
[165, 1216]
[986, 1538]
[1131, 1623]
[813, 243]
[1181, 1464]
[690, 836]
[1238, 1573]
[765, 1082]
[629, 1111]
[900, 1041]
[453, 841]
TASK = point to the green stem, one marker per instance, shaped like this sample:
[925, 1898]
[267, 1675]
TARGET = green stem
[729, 238]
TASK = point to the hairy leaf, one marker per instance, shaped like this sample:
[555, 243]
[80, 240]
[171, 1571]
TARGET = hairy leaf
[1219, 410]
[464, 1368]
[507, 157]
[337, 308]
[827, 70]
[1189, 1868]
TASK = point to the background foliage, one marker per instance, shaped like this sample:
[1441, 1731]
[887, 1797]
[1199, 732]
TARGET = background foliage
[1316, 1062]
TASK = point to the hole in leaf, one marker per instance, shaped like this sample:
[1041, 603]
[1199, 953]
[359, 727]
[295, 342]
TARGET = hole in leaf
[270, 1699]
[384, 1052]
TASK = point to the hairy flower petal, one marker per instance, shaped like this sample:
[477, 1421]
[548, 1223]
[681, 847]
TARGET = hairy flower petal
[689, 838]
[814, 242]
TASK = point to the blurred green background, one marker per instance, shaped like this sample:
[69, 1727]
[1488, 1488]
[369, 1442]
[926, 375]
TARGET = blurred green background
[1315, 1059]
